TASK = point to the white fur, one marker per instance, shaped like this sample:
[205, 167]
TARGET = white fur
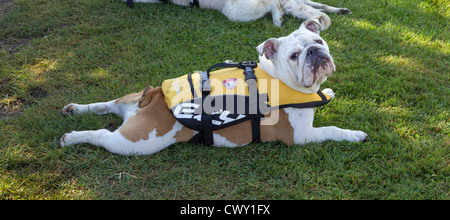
[304, 132]
[248, 10]
[220, 141]
[296, 74]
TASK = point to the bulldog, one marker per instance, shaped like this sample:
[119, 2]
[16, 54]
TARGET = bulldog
[300, 62]
[248, 10]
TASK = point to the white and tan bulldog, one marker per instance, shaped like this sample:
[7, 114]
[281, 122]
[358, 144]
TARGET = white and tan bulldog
[301, 60]
[249, 10]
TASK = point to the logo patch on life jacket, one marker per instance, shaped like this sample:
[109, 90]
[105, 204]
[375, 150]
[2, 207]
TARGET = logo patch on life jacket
[230, 83]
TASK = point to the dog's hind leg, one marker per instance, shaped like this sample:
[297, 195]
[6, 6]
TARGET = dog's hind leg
[116, 143]
[119, 107]
[148, 126]
[327, 8]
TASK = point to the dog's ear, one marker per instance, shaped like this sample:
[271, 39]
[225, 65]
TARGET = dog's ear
[312, 25]
[269, 48]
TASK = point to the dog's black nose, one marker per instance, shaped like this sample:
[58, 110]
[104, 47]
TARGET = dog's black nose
[313, 50]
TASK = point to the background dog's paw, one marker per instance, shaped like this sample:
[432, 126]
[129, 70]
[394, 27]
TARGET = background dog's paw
[344, 11]
[329, 92]
[69, 109]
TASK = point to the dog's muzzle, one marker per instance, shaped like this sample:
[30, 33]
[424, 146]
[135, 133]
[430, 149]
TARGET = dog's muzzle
[318, 60]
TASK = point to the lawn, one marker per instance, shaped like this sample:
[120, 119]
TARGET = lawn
[392, 81]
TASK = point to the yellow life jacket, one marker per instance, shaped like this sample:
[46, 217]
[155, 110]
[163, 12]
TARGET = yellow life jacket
[229, 97]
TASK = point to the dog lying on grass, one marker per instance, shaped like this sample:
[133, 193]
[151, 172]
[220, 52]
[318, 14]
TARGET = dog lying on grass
[296, 64]
[248, 10]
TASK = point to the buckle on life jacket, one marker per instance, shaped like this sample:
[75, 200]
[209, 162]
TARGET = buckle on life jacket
[248, 70]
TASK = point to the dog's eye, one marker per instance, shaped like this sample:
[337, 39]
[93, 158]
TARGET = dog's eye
[319, 42]
[294, 56]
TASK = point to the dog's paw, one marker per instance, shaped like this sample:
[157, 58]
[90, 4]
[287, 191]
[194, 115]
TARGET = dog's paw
[69, 109]
[329, 92]
[344, 11]
[278, 21]
[357, 136]
[65, 140]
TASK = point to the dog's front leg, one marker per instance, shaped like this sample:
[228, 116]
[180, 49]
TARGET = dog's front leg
[304, 132]
[335, 134]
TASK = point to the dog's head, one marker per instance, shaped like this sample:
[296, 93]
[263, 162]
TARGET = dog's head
[301, 60]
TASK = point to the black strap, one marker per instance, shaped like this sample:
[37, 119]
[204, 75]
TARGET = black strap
[246, 66]
[130, 3]
[206, 118]
[256, 128]
[251, 80]
[254, 110]
[194, 95]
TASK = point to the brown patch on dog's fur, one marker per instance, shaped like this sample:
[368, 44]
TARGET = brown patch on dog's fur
[241, 133]
[283, 129]
[238, 134]
[184, 135]
[153, 115]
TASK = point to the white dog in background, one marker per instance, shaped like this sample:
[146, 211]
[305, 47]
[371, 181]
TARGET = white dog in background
[248, 10]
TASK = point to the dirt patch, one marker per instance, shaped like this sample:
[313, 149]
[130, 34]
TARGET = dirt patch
[5, 6]
[38, 93]
[9, 111]
[10, 47]
[12, 109]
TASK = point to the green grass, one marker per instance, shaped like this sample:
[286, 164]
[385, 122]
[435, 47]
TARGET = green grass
[392, 81]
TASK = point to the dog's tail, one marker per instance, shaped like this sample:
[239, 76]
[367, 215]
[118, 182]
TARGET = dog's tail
[146, 97]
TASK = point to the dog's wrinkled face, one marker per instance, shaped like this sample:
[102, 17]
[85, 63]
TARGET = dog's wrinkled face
[301, 60]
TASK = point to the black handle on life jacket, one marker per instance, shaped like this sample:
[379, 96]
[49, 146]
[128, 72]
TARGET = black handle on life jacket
[246, 66]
